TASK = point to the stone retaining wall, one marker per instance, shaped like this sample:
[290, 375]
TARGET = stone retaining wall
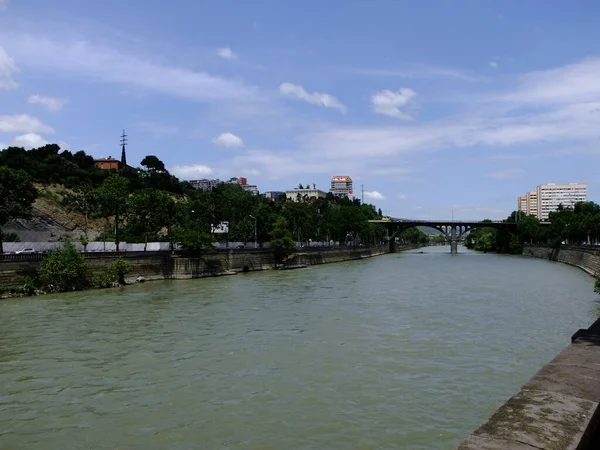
[586, 258]
[556, 409]
[162, 265]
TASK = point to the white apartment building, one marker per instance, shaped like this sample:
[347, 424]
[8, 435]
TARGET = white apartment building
[547, 197]
[341, 186]
[300, 195]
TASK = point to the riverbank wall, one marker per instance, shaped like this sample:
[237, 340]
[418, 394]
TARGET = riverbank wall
[556, 409]
[163, 265]
[586, 258]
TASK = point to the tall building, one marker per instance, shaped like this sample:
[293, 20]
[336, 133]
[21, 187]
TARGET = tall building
[341, 186]
[547, 197]
[273, 195]
[205, 184]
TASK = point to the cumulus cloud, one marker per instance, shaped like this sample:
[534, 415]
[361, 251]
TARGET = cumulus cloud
[315, 98]
[22, 123]
[389, 103]
[29, 141]
[374, 195]
[229, 140]
[191, 171]
[493, 64]
[226, 53]
[7, 69]
[52, 103]
[109, 65]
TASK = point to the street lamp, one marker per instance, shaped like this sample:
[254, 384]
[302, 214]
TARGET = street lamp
[255, 236]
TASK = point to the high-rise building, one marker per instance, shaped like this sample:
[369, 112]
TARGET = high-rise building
[205, 184]
[341, 186]
[547, 197]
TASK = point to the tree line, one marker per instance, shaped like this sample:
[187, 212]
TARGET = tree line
[149, 204]
[577, 225]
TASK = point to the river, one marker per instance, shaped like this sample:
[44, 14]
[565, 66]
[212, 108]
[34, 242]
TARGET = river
[403, 351]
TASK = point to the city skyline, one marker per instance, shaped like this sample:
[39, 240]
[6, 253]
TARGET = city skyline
[474, 112]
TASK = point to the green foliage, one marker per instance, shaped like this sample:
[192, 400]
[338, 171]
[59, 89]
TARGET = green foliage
[148, 212]
[9, 237]
[65, 270]
[194, 242]
[117, 270]
[597, 285]
[281, 240]
[413, 236]
[17, 194]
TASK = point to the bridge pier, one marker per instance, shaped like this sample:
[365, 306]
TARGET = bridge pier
[453, 241]
[392, 244]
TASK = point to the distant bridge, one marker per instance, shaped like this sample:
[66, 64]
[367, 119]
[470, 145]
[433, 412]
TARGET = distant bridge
[453, 230]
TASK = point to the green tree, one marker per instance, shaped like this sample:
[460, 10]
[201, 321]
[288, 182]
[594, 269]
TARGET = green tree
[65, 270]
[148, 212]
[17, 194]
[112, 200]
[529, 229]
[81, 200]
[117, 270]
[281, 240]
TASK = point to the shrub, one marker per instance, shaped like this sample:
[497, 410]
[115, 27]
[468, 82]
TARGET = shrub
[597, 285]
[65, 270]
[117, 270]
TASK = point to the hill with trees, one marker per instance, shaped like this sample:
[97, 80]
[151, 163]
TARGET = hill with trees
[147, 203]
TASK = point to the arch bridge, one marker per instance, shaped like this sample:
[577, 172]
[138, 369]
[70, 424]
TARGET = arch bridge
[451, 229]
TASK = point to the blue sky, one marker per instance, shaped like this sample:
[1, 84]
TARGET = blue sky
[432, 106]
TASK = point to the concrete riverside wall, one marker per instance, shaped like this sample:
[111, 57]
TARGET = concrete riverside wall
[586, 258]
[163, 265]
[556, 409]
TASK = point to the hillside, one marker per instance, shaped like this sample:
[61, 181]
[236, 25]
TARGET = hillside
[50, 219]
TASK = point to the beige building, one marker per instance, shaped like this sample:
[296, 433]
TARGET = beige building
[547, 197]
[300, 195]
[341, 186]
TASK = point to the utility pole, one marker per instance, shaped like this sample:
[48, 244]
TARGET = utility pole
[123, 145]
[255, 233]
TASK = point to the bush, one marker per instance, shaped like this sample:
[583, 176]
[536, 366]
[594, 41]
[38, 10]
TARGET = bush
[117, 270]
[65, 270]
[10, 237]
[597, 285]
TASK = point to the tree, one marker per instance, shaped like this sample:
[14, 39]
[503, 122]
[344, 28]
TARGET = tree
[153, 164]
[17, 194]
[65, 270]
[82, 200]
[281, 240]
[112, 200]
[148, 212]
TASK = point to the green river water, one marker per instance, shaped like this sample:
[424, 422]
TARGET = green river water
[403, 351]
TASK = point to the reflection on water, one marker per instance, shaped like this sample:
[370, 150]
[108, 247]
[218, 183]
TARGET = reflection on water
[401, 351]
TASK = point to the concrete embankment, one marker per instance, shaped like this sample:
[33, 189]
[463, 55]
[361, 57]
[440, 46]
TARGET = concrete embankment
[585, 257]
[556, 409]
[163, 265]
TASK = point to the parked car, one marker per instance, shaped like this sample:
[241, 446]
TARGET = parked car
[25, 251]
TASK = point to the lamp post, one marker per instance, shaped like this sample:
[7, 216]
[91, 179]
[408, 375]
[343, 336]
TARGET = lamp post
[255, 235]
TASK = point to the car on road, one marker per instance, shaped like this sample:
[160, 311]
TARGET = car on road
[25, 251]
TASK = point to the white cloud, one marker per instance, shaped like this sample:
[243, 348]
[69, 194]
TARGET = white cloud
[389, 103]
[53, 104]
[109, 65]
[423, 71]
[226, 53]
[229, 140]
[401, 197]
[316, 98]
[29, 141]
[191, 172]
[157, 129]
[506, 174]
[493, 64]
[7, 68]
[578, 82]
[374, 195]
[22, 123]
